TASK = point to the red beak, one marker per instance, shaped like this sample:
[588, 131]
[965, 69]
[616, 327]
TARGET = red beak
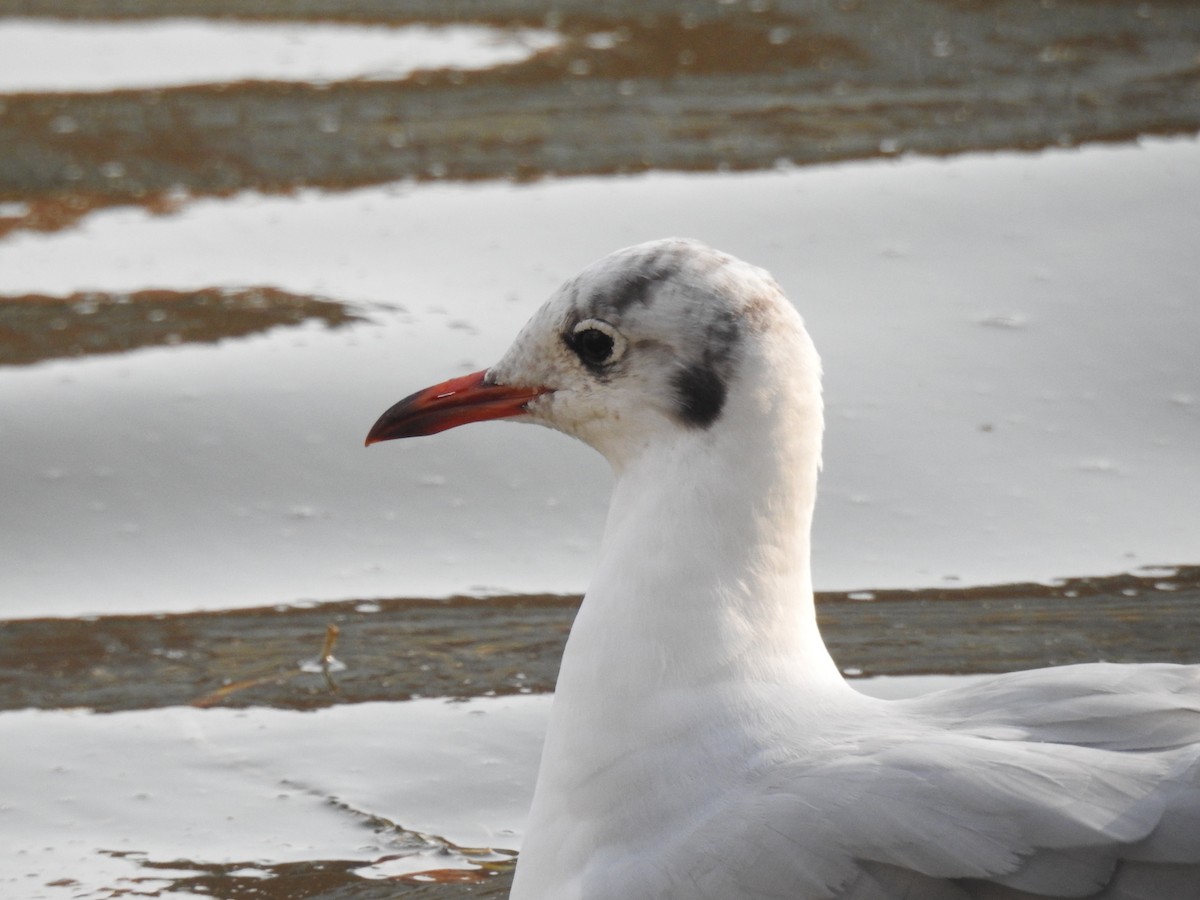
[450, 404]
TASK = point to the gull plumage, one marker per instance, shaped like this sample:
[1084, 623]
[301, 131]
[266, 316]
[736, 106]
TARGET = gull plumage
[702, 743]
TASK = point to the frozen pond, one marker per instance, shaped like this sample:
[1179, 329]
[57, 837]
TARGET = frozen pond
[186, 378]
[50, 55]
[139, 801]
[1009, 344]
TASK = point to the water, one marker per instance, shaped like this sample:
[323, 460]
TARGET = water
[1008, 343]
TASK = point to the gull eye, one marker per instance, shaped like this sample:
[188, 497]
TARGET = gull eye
[596, 343]
[593, 346]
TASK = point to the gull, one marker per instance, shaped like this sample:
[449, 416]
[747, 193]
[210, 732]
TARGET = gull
[702, 743]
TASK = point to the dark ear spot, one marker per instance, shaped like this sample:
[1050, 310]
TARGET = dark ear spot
[699, 395]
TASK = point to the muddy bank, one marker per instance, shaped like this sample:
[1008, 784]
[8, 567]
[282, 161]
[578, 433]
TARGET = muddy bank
[729, 86]
[325, 880]
[470, 647]
[35, 327]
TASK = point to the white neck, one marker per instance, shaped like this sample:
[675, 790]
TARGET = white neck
[704, 571]
[699, 622]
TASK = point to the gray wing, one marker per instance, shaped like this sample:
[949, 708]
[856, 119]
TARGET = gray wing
[1082, 781]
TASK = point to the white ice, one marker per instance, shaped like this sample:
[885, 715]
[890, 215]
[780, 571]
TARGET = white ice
[46, 55]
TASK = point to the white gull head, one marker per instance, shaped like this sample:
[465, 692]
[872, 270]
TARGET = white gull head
[662, 342]
[702, 743]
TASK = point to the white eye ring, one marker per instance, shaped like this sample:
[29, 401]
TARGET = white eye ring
[615, 352]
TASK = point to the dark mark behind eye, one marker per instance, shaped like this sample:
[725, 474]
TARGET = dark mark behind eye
[700, 388]
[700, 394]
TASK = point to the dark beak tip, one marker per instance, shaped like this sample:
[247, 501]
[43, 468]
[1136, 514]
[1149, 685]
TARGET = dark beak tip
[458, 401]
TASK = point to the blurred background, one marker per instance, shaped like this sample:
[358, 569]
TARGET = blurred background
[233, 232]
